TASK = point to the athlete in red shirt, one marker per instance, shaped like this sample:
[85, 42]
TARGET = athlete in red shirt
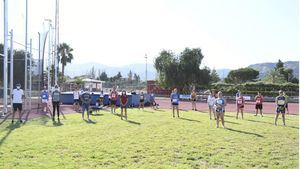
[240, 103]
[113, 100]
[259, 99]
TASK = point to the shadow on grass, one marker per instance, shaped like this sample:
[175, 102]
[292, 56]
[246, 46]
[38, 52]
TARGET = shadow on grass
[10, 128]
[129, 121]
[57, 123]
[182, 118]
[232, 122]
[97, 114]
[90, 121]
[270, 123]
[133, 122]
[245, 132]
[5, 118]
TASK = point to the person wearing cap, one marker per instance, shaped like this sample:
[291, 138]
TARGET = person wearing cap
[44, 99]
[17, 100]
[124, 101]
[280, 102]
[86, 100]
[55, 102]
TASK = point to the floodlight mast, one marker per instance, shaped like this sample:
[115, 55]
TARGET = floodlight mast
[5, 71]
[11, 66]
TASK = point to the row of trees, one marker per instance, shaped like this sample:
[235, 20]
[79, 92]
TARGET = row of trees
[183, 71]
[102, 75]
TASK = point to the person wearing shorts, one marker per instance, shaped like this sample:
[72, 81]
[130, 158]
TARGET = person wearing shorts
[86, 101]
[194, 98]
[280, 102]
[259, 99]
[175, 102]
[210, 102]
[124, 101]
[113, 100]
[44, 99]
[240, 103]
[142, 101]
[17, 100]
[220, 104]
[76, 97]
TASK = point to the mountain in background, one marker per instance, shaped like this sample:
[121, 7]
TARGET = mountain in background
[264, 68]
[73, 70]
[140, 69]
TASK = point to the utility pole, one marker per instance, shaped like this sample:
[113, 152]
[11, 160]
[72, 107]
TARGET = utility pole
[5, 69]
[26, 53]
[56, 41]
[11, 66]
[30, 74]
[146, 72]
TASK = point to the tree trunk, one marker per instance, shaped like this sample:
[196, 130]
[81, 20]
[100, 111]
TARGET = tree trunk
[62, 72]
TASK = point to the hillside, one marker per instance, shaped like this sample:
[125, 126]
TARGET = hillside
[264, 68]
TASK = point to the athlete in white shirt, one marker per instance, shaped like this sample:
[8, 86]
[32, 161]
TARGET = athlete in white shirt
[211, 102]
[17, 101]
[76, 96]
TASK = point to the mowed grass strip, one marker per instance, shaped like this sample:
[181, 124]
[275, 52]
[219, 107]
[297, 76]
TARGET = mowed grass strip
[150, 139]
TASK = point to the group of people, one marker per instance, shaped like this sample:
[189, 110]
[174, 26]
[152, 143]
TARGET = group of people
[217, 103]
[82, 101]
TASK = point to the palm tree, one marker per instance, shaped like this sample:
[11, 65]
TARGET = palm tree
[66, 56]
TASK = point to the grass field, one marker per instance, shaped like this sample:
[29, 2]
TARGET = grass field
[150, 139]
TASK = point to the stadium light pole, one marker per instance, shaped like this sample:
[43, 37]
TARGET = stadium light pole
[25, 59]
[49, 52]
[146, 72]
[56, 41]
[5, 71]
[30, 74]
[11, 66]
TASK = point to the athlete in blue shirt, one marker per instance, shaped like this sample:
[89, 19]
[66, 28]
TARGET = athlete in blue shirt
[280, 102]
[220, 104]
[175, 102]
[44, 98]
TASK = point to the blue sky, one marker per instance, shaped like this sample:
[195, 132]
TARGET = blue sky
[231, 33]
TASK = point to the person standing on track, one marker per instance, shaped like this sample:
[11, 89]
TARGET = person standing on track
[56, 102]
[86, 101]
[124, 101]
[240, 103]
[220, 104]
[44, 99]
[175, 102]
[194, 98]
[259, 99]
[211, 102]
[142, 101]
[280, 102]
[76, 96]
[113, 100]
[17, 100]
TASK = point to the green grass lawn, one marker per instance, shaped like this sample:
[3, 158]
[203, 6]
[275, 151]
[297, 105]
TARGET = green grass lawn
[150, 139]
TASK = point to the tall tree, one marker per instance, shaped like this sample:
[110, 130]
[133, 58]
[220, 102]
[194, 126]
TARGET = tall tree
[130, 76]
[241, 75]
[66, 56]
[103, 76]
[214, 77]
[182, 71]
